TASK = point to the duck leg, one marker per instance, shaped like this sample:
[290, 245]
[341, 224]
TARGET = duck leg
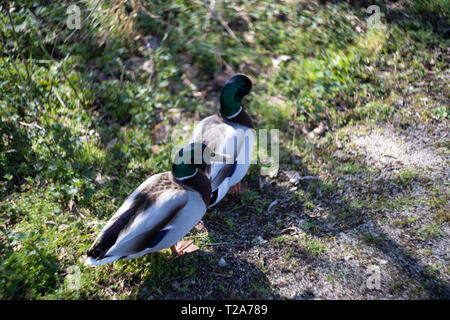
[183, 247]
[239, 188]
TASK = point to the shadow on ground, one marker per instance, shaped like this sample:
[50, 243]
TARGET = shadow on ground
[238, 223]
[203, 278]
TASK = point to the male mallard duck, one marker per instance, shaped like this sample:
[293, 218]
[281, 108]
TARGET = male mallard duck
[159, 212]
[230, 132]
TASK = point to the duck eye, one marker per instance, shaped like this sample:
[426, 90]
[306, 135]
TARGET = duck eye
[96, 253]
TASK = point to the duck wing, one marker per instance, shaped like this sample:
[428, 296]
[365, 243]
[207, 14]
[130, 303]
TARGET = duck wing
[139, 223]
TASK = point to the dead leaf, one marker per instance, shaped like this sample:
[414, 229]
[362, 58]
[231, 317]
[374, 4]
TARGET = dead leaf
[277, 60]
[63, 227]
[111, 144]
[321, 128]
[155, 148]
[70, 204]
[249, 36]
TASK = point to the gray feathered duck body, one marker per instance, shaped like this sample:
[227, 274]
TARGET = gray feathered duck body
[159, 212]
[230, 132]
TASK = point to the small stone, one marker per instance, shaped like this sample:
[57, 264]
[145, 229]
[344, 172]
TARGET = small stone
[99, 179]
[309, 178]
[222, 262]
[294, 176]
[273, 204]
[260, 240]
[175, 285]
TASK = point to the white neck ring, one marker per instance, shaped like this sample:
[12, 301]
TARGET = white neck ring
[234, 115]
[184, 178]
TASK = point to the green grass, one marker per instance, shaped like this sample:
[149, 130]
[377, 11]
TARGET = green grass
[406, 177]
[373, 239]
[309, 205]
[428, 232]
[316, 248]
[71, 108]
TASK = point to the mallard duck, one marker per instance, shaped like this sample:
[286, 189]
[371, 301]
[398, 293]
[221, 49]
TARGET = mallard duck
[229, 132]
[159, 212]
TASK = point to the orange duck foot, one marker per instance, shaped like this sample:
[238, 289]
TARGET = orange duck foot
[183, 247]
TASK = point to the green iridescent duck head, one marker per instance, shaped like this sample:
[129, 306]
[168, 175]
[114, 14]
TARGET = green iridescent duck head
[233, 91]
[189, 159]
[193, 157]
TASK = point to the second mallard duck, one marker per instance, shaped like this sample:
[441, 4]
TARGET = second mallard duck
[229, 132]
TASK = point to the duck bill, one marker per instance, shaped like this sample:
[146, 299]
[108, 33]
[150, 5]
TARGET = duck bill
[260, 88]
[220, 157]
